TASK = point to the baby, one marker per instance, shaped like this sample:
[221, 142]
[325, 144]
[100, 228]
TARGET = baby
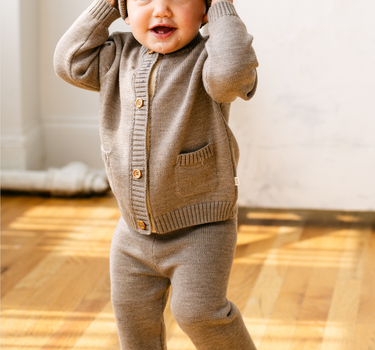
[171, 159]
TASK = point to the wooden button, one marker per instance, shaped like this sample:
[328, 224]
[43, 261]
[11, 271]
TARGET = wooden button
[137, 174]
[150, 52]
[139, 102]
[141, 225]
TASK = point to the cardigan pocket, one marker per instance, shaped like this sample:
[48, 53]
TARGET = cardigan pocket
[107, 163]
[196, 172]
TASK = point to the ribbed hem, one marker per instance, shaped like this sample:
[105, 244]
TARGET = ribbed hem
[220, 9]
[104, 12]
[193, 215]
[198, 214]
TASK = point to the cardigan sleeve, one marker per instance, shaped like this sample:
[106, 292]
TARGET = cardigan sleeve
[230, 68]
[86, 52]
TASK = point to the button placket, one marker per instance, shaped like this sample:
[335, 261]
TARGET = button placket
[139, 146]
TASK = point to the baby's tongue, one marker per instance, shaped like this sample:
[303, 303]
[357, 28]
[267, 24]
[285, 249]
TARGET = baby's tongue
[162, 30]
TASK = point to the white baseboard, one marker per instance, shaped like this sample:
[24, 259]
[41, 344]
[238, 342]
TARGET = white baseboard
[23, 152]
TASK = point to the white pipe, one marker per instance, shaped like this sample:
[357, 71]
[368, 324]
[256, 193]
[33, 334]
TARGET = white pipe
[74, 178]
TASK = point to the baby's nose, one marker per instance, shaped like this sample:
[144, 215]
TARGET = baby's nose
[161, 8]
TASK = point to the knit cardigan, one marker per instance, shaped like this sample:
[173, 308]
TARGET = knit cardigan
[188, 175]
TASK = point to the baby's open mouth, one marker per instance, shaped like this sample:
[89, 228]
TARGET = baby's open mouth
[162, 29]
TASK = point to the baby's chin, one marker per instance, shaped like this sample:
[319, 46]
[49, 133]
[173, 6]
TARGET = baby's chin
[161, 47]
[164, 47]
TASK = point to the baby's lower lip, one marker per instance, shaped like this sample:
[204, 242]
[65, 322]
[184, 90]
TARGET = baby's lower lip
[162, 35]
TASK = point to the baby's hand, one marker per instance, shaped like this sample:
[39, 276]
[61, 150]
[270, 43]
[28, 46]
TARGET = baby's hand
[114, 3]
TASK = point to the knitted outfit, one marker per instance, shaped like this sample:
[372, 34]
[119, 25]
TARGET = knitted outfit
[171, 161]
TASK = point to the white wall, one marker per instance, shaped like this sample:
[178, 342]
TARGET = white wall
[21, 132]
[306, 137]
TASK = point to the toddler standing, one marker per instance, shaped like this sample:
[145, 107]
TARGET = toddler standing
[171, 159]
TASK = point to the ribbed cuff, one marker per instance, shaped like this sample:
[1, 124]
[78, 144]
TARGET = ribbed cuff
[221, 9]
[104, 12]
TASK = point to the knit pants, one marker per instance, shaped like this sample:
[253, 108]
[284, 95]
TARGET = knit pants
[197, 262]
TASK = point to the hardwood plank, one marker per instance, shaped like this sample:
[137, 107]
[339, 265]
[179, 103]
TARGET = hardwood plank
[101, 333]
[328, 247]
[283, 320]
[345, 301]
[14, 206]
[364, 333]
[33, 248]
[341, 319]
[261, 302]
[245, 272]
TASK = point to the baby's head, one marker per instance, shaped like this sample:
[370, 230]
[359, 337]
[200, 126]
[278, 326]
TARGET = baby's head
[164, 26]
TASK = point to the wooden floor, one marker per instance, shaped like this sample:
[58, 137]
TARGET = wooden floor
[303, 280]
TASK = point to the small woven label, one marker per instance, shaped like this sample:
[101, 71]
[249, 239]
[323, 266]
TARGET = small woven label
[236, 181]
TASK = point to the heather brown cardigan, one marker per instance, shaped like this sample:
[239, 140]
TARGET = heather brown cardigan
[189, 175]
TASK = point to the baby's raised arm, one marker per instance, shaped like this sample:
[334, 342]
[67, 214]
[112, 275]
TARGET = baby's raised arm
[85, 52]
[230, 69]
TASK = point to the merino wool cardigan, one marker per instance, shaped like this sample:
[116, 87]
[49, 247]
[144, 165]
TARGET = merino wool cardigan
[171, 161]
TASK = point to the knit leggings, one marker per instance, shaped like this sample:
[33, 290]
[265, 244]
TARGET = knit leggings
[197, 262]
